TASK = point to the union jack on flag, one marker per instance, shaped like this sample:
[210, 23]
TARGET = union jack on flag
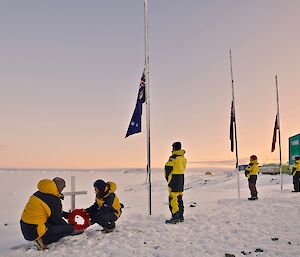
[135, 125]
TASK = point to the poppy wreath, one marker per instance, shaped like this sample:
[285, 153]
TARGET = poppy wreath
[83, 214]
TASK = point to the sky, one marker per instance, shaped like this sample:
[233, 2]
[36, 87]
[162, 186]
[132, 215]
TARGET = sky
[70, 71]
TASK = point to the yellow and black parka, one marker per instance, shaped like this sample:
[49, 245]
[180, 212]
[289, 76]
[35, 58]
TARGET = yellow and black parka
[252, 169]
[106, 203]
[296, 167]
[174, 171]
[44, 207]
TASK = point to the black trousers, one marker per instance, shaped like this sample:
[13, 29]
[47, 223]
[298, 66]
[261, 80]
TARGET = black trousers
[106, 220]
[252, 185]
[56, 232]
[296, 181]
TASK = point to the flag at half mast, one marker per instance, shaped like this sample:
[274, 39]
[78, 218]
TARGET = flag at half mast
[276, 127]
[135, 125]
[232, 121]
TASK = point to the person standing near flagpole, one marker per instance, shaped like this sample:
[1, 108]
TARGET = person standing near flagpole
[174, 174]
[296, 175]
[251, 173]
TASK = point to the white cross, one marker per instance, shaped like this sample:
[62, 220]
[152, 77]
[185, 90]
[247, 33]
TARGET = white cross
[73, 193]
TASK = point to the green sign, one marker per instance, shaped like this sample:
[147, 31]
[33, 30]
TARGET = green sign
[294, 148]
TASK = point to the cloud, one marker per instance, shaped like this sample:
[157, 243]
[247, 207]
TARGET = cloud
[220, 162]
[6, 147]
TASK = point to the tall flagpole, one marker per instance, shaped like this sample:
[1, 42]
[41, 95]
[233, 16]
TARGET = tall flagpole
[278, 120]
[147, 99]
[236, 146]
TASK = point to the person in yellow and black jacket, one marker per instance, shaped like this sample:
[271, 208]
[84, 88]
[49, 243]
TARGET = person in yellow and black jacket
[251, 173]
[174, 174]
[296, 175]
[107, 207]
[41, 219]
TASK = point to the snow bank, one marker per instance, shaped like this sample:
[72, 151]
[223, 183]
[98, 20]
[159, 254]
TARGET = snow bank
[216, 221]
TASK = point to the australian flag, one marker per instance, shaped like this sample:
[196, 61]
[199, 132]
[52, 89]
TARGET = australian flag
[135, 125]
[276, 127]
[232, 121]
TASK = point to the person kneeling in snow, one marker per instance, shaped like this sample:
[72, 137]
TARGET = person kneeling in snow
[41, 219]
[107, 207]
[251, 173]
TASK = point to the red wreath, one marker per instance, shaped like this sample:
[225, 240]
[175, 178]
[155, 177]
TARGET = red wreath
[83, 214]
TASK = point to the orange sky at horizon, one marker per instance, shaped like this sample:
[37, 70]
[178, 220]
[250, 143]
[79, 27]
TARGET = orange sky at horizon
[69, 78]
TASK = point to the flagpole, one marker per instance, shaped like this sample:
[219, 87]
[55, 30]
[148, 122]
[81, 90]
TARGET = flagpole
[147, 89]
[280, 160]
[236, 145]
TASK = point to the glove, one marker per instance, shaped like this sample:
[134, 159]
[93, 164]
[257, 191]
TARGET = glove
[65, 214]
[246, 173]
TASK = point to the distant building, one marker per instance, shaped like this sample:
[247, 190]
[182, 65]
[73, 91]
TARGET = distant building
[294, 148]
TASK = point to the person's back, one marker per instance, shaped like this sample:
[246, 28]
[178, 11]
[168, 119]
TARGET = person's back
[174, 174]
[41, 205]
[251, 173]
[42, 215]
[296, 175]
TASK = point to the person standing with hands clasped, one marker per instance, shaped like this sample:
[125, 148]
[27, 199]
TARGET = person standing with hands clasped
[251, 173]
[174, 174]
[296, 175]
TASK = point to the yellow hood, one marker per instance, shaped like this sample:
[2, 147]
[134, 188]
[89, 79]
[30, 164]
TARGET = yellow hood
[112, 186]
[178, 152]
[48, 186]
[254, 162]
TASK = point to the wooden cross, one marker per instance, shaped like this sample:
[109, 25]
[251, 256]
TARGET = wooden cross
[73, 193]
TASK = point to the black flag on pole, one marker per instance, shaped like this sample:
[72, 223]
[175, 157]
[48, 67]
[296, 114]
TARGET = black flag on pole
[135, 125]
[276, 127]
[232, 121]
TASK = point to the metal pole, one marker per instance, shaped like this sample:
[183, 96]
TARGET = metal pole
[72, 191]
[147, 89]
[280, 160]
[235, 134]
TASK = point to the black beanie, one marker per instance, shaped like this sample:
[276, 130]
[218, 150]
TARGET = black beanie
[100, 184]
[297, 158]
[176, 146]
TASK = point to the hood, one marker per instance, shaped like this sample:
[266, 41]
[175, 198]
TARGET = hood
[112, 187]
[254, 162]
[178, 152]
[48, 186]
[297, 162]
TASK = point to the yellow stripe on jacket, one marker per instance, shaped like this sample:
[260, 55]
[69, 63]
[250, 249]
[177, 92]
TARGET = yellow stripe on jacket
[296, 167]
[36, 211]
[111, 188]
[252, 168]
[175, 165]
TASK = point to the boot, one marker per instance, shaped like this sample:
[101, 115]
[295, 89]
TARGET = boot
[40, 244]
[107, 230]
[174, 220]
[252, 198]
[181, 218]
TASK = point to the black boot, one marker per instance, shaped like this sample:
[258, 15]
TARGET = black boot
[174, 220]
[254, 197]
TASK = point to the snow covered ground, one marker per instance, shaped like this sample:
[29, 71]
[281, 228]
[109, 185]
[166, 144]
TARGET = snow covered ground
[217, 223]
